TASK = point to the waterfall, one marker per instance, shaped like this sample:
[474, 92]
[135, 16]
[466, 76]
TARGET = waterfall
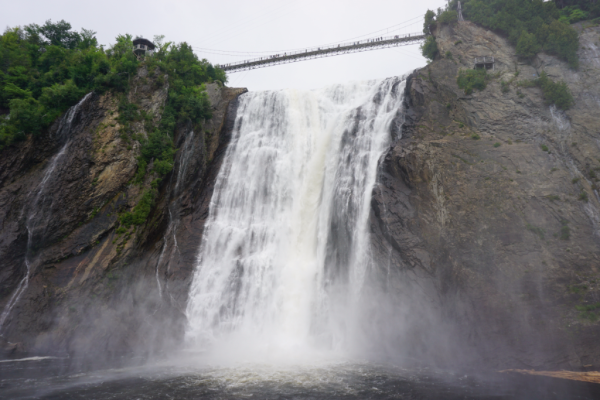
[285, 251]
[36, 207]
[185, 156]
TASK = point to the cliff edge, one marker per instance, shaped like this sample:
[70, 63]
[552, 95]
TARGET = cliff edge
[488, 207]
[74, 280]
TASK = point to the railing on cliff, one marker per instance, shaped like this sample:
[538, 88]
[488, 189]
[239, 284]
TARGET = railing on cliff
[320, 52]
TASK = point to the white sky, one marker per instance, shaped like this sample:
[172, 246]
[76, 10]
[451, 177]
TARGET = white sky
[251, 26]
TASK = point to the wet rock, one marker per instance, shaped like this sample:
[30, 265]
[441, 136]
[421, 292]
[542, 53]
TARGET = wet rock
[91, 291]
[480, 205]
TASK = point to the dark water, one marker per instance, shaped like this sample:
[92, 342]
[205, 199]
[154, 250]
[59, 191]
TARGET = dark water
[54, 379]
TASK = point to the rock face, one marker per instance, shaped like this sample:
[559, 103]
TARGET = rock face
[485, 220]
[64, 271]
[488, 211]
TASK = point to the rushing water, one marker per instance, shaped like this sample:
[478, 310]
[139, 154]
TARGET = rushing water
[55, 378]
[285, 251]
[274, 307]
[36, 212]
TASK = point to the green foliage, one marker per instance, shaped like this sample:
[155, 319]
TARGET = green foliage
[447, 17]
[470, 79]
[140, 212]
[588, 311]
[429, 21]
[538, 19]
[497, 144]
[475, 136]
[46, 69]
[565, 232]
[543, 147]
[538, 231]
[429, 48]
[555, 93]
[578, 10]
[583, 196]
[527, 45]
[141, 170]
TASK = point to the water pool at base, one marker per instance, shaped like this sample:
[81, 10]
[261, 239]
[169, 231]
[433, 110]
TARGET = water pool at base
[56, 378]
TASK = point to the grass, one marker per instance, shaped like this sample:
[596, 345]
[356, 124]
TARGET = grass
[588, 311]
[575, 180]
[577, 289]
[538, 231]
[462, 159]
[553, 197]
[565, 232]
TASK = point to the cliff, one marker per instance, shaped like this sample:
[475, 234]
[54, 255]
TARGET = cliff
[485, 220]
[70, 281]
[487, 209]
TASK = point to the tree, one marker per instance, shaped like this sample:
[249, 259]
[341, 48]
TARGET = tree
[59, 34]
[527, 46]
[429, 48]
[429, 20]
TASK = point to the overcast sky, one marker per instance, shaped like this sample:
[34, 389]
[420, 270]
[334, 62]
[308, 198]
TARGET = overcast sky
[251, 26]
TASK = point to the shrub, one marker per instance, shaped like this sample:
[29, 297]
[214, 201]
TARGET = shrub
[429, 48]
[583, 196]
[497, 144]
[505, 87]
[539, 20]
[475, 136]
[447, 17]
[472, 79]
[554, 93]
[543, 147]
[565, 232]
[140, 212]
[538, 231]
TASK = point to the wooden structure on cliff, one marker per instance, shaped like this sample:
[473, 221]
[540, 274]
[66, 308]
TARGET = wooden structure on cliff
[142, 48]
[319, 52]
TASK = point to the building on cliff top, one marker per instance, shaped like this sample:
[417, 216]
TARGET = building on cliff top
[143, 47]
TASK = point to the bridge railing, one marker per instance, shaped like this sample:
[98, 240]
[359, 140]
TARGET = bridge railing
[323, 51]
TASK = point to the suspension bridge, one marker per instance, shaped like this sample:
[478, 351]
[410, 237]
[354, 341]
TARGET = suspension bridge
[324, 51]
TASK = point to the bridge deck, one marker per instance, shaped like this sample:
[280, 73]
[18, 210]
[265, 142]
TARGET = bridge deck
[319, 52]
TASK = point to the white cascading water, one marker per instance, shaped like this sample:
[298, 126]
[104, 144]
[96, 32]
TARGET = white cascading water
[286, 248]
[164, 260]
[36, 210]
